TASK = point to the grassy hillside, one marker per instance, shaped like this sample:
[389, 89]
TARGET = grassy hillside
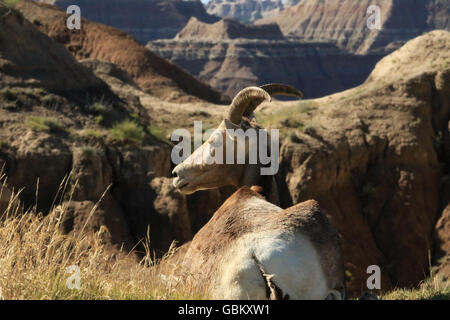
[35, 256]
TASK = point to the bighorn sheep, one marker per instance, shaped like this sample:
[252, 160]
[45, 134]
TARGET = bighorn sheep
[251, 248]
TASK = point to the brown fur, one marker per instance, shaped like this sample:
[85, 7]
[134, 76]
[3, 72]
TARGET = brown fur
[235, 219]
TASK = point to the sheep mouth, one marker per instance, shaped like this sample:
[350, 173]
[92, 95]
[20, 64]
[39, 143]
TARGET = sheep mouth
[180, 183]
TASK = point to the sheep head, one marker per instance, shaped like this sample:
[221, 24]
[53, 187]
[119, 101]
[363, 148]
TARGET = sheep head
[224, 159]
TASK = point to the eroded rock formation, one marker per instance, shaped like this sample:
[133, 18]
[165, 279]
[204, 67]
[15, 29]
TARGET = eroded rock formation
[230, 56]
[345, 21]
[248, 11]
[144, 20]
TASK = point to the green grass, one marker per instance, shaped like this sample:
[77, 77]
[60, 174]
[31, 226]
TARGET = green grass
[89, 151]
[9, 94]
[127, 132]
[296, 116]
[10, 3]
[99, 108]
[92, 133]
[44, 124]
[158, 133]
[431, 289]
[4, 144]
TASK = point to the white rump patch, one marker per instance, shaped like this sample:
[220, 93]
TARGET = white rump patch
[289, 258]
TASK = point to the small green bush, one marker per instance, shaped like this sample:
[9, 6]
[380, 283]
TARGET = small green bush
[44, 124]
[158, 133]
[4, 144]
[99, 119]
[92, 133]
[8, 94]
[127, 132]
[99, 108]
[135, 117]
[10, 3]
[89, 151]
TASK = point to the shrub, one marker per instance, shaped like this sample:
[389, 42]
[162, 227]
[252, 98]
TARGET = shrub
[10, 3]
[4, 144]
[99, 108]
[44, 124]
[89, 151]
[158, 133]
[8, 94]
[127, 132]
[92, 132]
[99, 119]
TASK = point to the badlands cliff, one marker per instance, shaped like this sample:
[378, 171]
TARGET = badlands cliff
[247, 11]
[345, 21]
[144, 20]
[230, 56]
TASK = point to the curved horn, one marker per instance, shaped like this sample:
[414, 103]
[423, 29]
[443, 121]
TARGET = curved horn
[246, 99]
[275, 89]
[278, 89]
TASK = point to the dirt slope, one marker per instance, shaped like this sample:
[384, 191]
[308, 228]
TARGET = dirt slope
[152, 73]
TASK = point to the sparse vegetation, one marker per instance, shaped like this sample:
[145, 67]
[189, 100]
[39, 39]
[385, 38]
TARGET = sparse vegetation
[4, 144]
[10, 3]
[99, 119]
[44, 124]
[291, 123]
[92, 132]
[127, 132]
[199, 114]
[99, 108]
[158, 133]
[438, 140]
[432, 289]
[304, 107]
[89, 151]
[8, 94]
[134, 117]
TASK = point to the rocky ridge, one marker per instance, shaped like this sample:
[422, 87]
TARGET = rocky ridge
[345, 22]
[247, 11]
[144, 20]
[230, 56]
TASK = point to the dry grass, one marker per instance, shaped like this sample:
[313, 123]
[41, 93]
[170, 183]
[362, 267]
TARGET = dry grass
[35, 256]
[431, 289]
